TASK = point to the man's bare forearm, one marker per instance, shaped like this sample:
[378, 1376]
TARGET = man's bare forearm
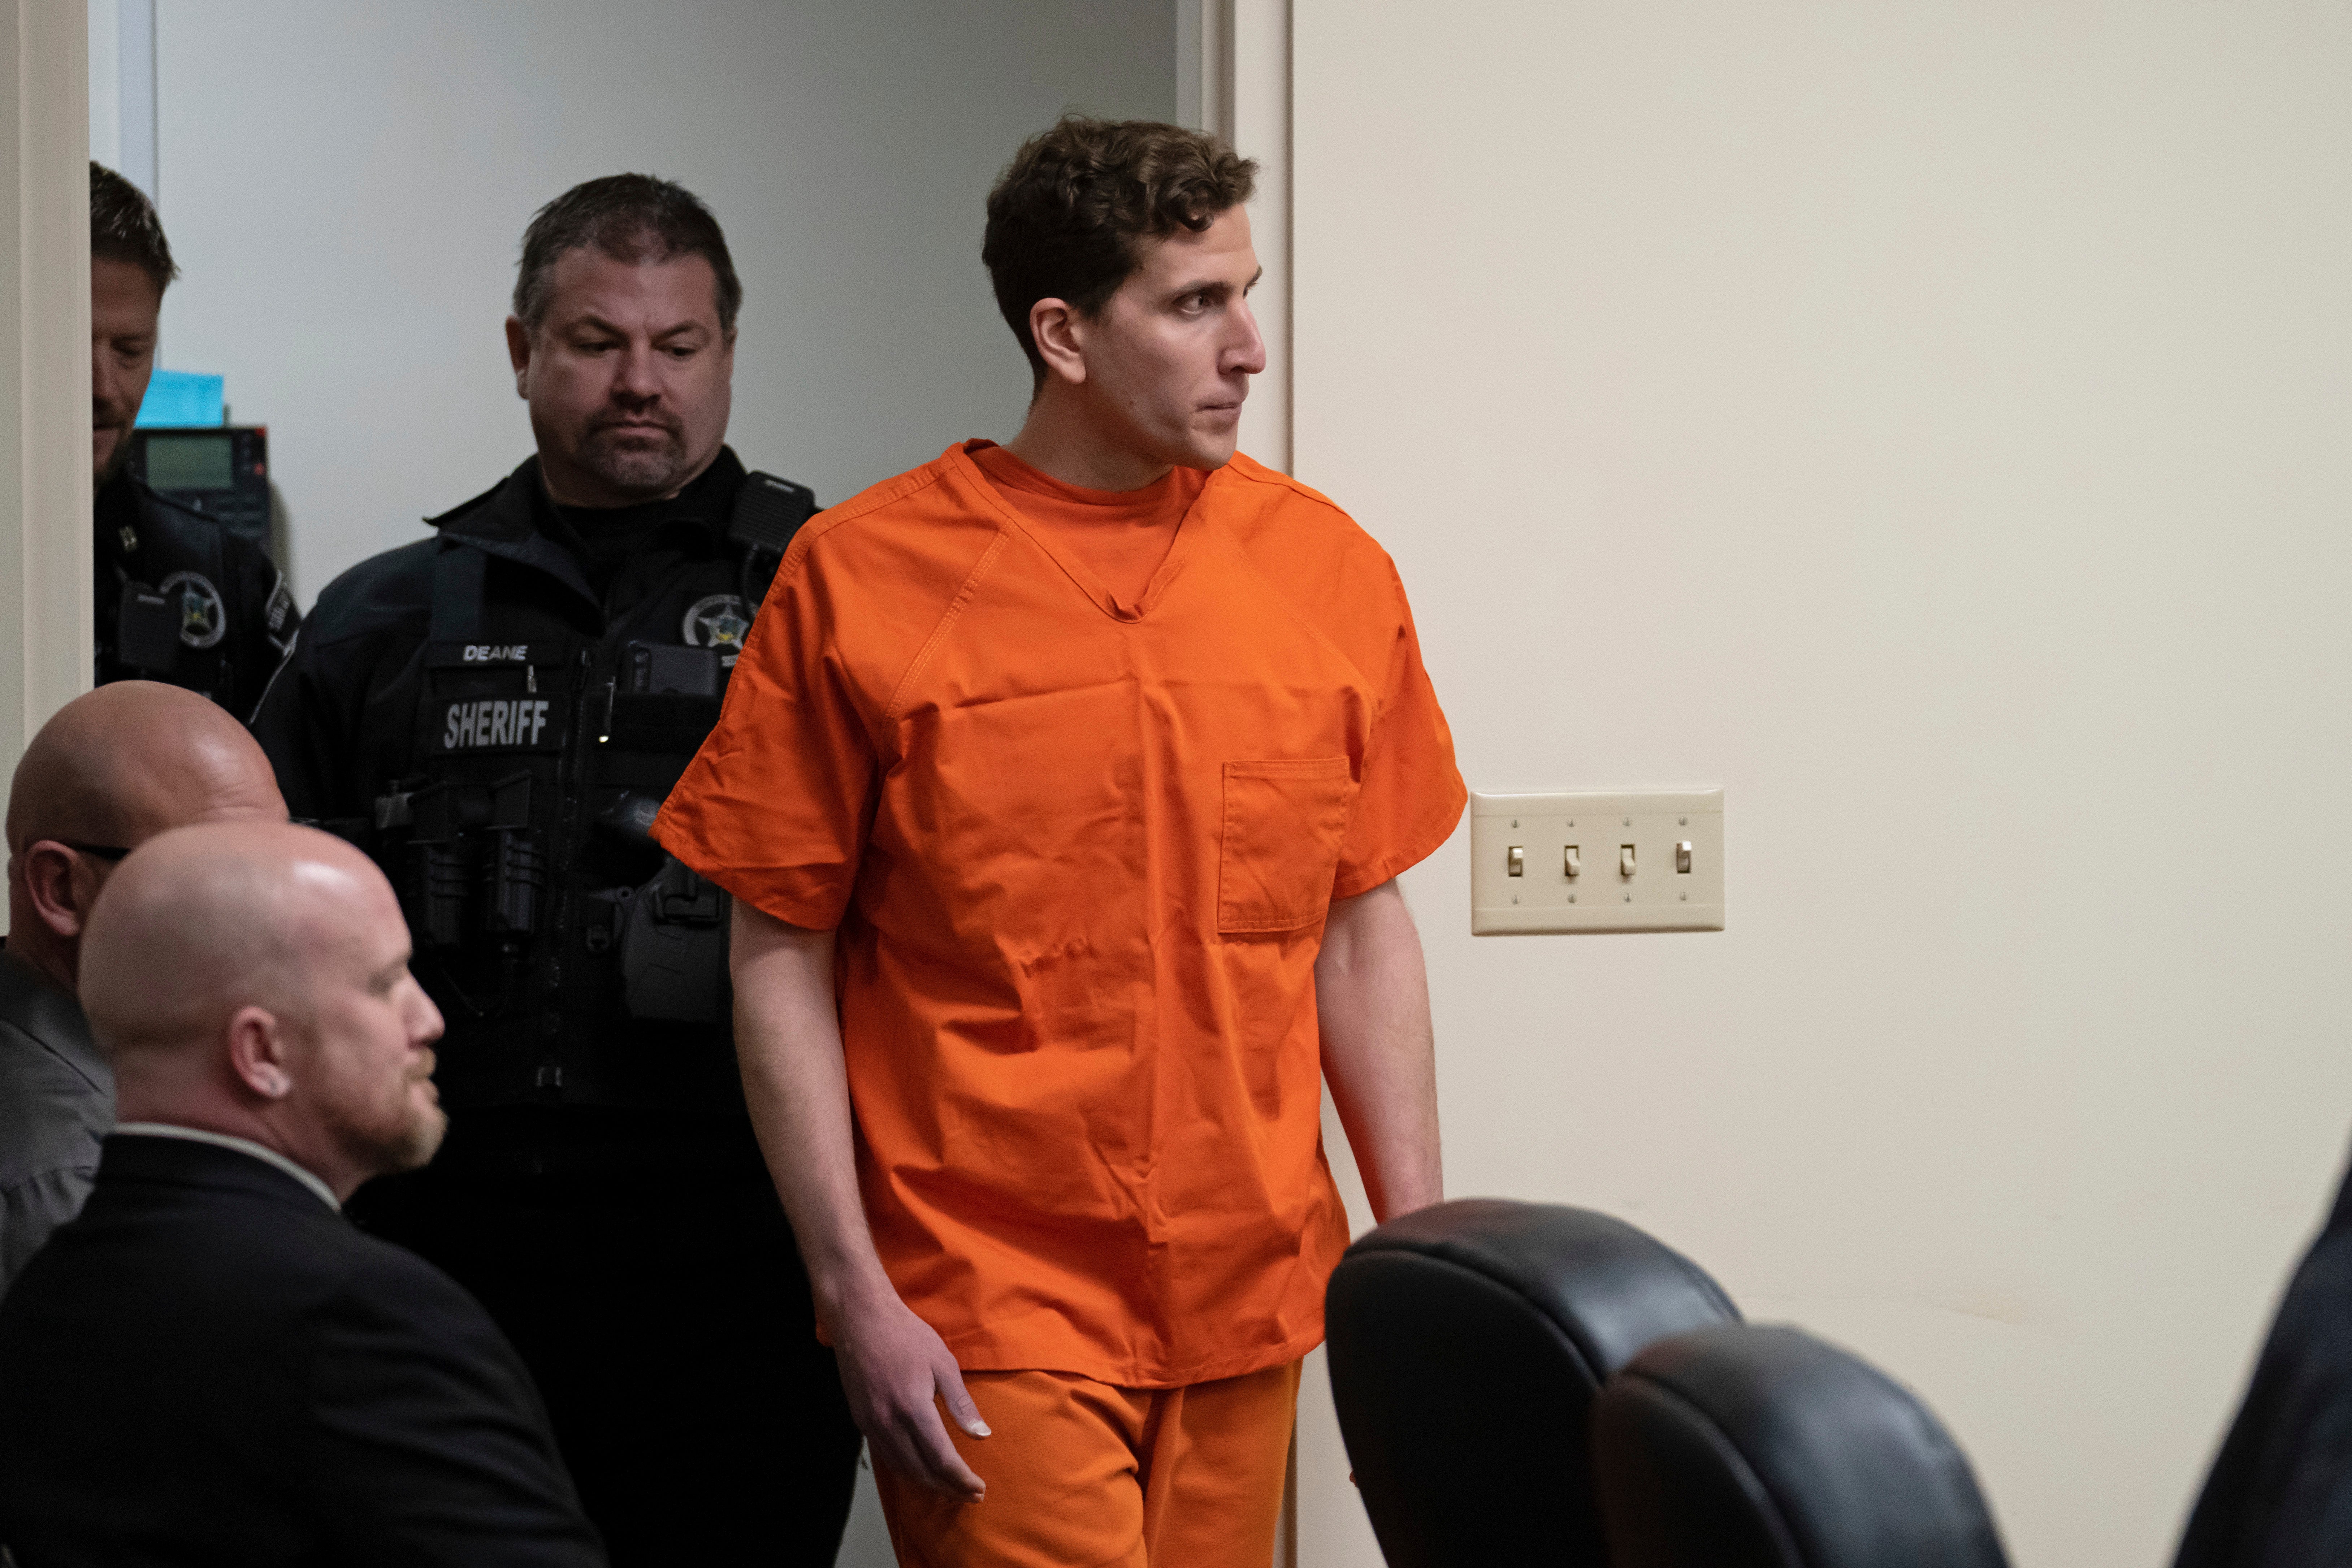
[1371, 992]
[893, 1365]
[788, 1043]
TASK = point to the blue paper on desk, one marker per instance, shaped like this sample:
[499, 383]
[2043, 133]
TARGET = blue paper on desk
[183, 398]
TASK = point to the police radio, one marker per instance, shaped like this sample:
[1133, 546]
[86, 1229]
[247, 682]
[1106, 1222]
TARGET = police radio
[768, 512]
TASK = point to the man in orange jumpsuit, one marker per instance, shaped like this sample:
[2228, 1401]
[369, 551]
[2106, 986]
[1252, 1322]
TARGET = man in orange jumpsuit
[1061, 789]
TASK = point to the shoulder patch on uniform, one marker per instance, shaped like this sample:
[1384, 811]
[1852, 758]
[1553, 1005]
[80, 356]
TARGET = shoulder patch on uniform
[204, 618]
[279, 615]
[718, 620]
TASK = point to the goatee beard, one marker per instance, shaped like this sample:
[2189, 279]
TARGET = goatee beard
[381, 1150]
[412, 1148]
[637, 469]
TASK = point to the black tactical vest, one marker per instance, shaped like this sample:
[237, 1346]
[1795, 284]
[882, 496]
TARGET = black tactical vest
[177, 598]
[576, 963]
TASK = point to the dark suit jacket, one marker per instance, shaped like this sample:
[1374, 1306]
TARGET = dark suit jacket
[57, 1100]
[2280, 1495]
[210, 1365]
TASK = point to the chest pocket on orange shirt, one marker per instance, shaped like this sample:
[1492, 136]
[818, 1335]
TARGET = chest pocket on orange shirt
[1285, 821]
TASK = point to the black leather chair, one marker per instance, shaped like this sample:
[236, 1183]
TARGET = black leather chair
[1741, 1447]
[1467, 1343]
[2280, 1492]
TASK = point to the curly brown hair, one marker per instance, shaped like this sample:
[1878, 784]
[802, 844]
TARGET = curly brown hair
[1068, 216]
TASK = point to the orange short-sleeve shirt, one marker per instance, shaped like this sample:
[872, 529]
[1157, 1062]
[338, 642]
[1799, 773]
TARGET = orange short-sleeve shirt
[1079, 853]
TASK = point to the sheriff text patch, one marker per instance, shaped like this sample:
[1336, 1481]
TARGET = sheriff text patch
[499, 725]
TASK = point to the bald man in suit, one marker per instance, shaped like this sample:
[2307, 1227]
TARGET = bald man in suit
[108, 772]
[210, 1365]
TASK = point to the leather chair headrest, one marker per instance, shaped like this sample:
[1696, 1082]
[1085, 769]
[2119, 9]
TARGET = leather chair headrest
[1467, 1342]
[1742, 1446]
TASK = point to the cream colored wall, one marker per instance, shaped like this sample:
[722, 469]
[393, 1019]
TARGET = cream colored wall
[1929, 421]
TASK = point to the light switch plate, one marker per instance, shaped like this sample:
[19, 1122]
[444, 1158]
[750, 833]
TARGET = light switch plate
[1600, 898]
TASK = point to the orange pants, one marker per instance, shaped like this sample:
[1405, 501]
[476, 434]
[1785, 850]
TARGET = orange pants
[1084, 1474]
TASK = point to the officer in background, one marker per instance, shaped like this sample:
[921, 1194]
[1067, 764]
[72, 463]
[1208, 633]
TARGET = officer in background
[496, 713]
[180, 599]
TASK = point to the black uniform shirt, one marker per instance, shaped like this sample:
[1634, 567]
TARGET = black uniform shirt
[363, 712]
[230, 614]
[608, 540]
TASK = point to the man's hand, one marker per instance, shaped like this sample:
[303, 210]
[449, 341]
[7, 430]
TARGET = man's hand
[788, 1042]
[897, 1372]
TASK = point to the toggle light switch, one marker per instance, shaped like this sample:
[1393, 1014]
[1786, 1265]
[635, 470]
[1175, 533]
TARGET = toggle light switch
[1517, 839]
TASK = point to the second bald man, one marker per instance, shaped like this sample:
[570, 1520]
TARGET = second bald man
[496, 713]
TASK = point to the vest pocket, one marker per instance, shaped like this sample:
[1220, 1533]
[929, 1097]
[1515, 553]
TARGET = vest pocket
[1285, 819]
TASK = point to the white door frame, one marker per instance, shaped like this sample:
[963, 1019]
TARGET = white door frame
[1232, 77]
[46, 632]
